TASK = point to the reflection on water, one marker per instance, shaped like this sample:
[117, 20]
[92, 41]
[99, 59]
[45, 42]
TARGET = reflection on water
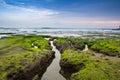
[52, 72]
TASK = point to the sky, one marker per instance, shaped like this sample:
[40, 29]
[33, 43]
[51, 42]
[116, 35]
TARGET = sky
[60, 13]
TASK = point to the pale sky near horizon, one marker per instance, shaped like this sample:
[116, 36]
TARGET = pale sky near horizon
[60, 13]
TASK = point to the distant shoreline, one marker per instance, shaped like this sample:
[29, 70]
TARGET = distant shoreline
[53, 28]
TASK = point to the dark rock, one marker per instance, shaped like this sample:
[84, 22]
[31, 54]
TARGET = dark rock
[39, 67]
[68, 68]
[51, 39]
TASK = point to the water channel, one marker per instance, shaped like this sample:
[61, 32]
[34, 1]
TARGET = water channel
[52, 72]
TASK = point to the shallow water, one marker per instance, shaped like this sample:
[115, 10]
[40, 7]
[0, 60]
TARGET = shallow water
[86, 48]
[52, 72]
[3, 36]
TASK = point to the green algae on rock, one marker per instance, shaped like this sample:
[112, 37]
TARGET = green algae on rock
[77, 64]
[85, 66]
[23, 57]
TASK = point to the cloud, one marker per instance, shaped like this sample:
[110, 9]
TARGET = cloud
[24, 16]
[36, 17]
[40, 11]
[80, 21]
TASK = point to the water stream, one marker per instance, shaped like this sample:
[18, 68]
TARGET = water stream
[52, 72]
[86, 48]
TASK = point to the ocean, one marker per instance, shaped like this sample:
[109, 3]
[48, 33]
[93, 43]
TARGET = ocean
[57, 31]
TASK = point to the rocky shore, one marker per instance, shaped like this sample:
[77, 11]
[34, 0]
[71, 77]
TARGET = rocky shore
[77, 64]
[26, 61]
[37, 68]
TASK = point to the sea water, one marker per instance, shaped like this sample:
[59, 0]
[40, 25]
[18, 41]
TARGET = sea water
[58, 31]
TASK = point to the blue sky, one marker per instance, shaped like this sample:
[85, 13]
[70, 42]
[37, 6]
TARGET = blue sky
[60, 13]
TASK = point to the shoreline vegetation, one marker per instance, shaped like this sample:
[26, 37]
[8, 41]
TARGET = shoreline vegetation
[23, 57]
[26, 57]
[100, 62]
